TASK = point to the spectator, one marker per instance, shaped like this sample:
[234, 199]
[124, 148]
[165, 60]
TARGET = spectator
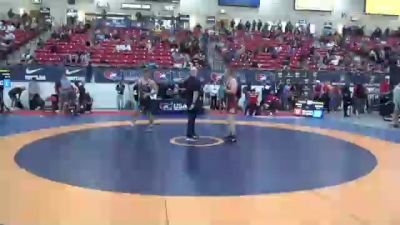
[289, 27]
[2, 25]
[254, 25]
[325, 97]
[246, 92]
[89, 72]
[317, 90]
[120, 88]
[377, 33]
[82, 94]
[387, 32]
[252, 102]
[359, 99]
[396, 101]
[265, 28]
[384, 87]
[240, 25]
[15, 96]
[259, 25]
[207, 93]
[2, 105]
[248, 25]
[213, 95]
[9, 37]
[33, 89]
[285, 96]
[10, 28]
[346, 97]
[34, 25]
[222, 25]
[65, 91]
[148, 45]
[336, 99]
[221, 96]
[40, 43]
[232, 24]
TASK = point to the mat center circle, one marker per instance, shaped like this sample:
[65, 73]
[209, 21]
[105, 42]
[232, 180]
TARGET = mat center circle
[202, 141]
[127, 159]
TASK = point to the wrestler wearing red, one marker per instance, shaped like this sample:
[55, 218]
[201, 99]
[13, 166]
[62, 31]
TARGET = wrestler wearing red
[232, 106]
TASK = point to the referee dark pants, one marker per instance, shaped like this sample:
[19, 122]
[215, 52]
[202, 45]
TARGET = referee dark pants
[192, 114]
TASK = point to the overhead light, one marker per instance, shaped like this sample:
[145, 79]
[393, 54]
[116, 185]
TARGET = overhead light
[135, 6]
[169, 7]
[175, 1]
[81, 16]
[130, 6]
[146, 6]
[102, 4]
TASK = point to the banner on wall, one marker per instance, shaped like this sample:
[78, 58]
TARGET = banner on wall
[5, 78]
[108, 75]
[46, 72]
[256, 77]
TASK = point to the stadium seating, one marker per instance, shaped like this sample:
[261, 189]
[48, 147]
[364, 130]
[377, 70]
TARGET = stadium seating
[105, 52]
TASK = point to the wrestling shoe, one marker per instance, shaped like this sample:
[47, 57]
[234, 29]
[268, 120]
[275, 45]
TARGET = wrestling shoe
[191, 139]
[231, 138]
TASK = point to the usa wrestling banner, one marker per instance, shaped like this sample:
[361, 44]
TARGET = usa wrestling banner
[46, 72]
[53, 73]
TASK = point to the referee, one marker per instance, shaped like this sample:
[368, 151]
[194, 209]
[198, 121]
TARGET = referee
[192, 88]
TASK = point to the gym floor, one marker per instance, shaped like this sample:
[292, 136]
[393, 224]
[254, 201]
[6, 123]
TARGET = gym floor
[97, 169]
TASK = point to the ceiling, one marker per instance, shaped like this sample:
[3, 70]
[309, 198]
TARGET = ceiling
[163, 1]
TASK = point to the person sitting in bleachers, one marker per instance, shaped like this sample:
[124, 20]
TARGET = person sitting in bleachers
[8, 37]
[2, 25]
[10, 28]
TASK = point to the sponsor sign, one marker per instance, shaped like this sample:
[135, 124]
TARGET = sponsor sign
[53, 73]
[75, 73]
[5, 78]
[172, 106]
[37, 77]
[46, 72]
[35, 73]
[309, 109]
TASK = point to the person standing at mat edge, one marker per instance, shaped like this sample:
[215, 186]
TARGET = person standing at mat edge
[2, 105]
[147, 92]
[192, 87]
[233, 95]
[396, 101]
[120, 88]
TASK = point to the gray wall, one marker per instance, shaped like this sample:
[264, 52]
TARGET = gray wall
[58, 7]
[269, 10]
[272, 10]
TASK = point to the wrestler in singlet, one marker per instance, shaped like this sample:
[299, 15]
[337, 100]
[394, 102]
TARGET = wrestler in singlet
[232, 104]
[232, 100]
[147, 89]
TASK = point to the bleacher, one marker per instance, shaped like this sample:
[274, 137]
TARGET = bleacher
[106, 52]
[256, 43]
[22, 37]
